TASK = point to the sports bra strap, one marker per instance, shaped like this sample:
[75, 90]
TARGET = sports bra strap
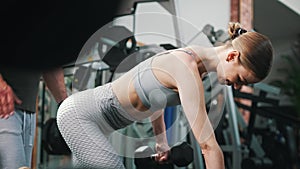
[182, 50]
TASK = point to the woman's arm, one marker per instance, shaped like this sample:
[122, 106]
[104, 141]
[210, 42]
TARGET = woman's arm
[190, 88]
[159, 130]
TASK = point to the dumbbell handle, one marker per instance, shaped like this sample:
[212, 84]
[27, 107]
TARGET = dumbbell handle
[153, 156]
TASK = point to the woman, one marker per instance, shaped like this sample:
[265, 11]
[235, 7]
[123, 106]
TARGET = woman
[85, 119]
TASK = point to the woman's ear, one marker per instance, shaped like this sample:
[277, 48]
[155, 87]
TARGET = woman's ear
[232, 55]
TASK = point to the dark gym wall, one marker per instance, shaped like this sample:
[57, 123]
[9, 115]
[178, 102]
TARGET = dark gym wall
[42, 34]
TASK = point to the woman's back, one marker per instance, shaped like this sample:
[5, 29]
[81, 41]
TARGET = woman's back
[162, 68]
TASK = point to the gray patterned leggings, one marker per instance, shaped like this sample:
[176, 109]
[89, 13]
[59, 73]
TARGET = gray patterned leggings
[85, 120]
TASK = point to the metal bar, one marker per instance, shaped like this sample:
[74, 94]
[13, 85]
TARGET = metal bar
[236, 152]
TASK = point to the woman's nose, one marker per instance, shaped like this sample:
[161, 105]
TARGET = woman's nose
[237, 86]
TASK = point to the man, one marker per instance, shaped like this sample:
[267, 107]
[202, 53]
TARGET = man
[18, 92]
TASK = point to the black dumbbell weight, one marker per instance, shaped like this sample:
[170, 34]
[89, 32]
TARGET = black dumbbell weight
[180, 155]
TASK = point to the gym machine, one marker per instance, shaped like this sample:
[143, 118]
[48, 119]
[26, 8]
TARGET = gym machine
[278, 148]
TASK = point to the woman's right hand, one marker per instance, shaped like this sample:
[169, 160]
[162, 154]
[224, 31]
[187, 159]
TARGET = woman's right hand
[162, 153]
[7, 100]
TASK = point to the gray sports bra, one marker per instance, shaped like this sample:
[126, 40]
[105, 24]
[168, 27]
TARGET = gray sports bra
[152, 93]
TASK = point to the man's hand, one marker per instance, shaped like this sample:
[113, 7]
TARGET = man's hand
[7, 100]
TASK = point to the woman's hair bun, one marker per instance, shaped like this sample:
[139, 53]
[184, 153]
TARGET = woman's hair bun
[235, 30]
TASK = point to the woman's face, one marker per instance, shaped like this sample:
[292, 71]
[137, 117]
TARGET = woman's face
[231, 72]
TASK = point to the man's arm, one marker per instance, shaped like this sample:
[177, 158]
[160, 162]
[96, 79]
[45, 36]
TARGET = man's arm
[54, 79]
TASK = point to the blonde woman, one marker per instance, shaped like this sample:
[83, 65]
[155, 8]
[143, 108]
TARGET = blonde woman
[174, 77]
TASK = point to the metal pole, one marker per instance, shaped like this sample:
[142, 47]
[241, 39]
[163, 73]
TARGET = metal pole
[236, 144]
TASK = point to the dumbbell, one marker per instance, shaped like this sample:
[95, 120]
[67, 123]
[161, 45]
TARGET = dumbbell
[181, 155]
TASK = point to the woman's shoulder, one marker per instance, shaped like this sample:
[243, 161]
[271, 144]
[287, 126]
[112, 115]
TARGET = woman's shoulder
[175, 63]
